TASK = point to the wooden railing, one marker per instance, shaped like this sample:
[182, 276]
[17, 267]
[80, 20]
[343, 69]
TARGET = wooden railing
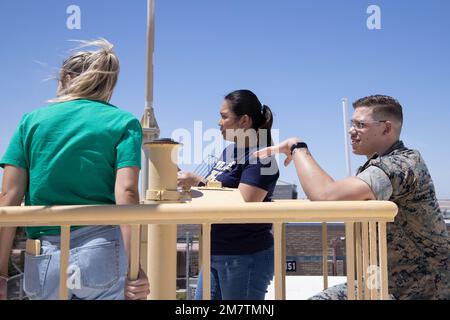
[365, 228]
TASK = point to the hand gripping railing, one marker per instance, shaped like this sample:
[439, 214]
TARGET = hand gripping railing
[365, 222]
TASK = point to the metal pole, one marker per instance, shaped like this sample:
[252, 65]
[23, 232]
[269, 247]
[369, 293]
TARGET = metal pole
[149, 123]
[347, 149]
[156, 238]
[150, 51]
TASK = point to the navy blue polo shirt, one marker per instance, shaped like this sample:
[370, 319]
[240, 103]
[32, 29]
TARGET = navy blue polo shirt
[238, 165]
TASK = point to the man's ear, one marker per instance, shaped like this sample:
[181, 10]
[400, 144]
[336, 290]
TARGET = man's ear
[388, 127]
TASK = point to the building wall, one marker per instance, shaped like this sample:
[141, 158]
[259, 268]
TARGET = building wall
[304, 245]
[285, 192]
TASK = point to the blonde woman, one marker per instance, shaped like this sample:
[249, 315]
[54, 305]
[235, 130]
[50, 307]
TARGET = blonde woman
[79, 150]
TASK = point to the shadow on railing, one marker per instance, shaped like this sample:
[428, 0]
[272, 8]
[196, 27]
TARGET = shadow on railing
[365, 229]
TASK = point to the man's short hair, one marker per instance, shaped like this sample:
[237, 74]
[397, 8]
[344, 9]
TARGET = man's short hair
[384, 107]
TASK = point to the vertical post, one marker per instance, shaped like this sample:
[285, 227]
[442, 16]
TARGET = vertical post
[359, 261]
[373, 260]
[280, 261]
[148, 122]
[149, 90]
[150, 51]
[365, 252]
[188, 293]
[382, 242]
[64, 262]
[162, 239]
[325, 255]
[206, 260]
[144, 174]
[347, 149]
[334, 243]
[200, 247]
[144, 248]
[134, 251]
[162, 261]
[150, 132]
[350, 253]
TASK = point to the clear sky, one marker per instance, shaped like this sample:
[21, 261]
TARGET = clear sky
[299, 56]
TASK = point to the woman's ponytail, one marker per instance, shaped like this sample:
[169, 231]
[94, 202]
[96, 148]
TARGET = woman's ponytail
[93, 74]
[266, 124]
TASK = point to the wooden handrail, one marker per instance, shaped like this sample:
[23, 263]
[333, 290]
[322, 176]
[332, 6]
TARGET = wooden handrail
[189, 213]
[372, 214]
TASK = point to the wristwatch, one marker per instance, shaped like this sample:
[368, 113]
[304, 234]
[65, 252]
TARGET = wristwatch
[298, 145]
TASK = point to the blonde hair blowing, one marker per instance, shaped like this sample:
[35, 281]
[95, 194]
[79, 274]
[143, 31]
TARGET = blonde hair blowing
[93, 74]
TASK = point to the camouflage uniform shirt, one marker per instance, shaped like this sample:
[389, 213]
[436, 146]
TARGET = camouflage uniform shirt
[418, 243]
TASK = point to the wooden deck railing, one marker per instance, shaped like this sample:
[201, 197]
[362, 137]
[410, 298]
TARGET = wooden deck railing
[365, 228]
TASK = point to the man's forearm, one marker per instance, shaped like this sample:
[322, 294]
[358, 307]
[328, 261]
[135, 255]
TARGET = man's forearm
[314, 180]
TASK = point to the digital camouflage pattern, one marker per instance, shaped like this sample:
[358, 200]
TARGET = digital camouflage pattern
[418, 242]
[338, 292]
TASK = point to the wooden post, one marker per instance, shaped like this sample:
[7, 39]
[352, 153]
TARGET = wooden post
[359, 261]
[162, 261]
[134, 252]
[373, 260]
[206, 260]
[280, 261]
[162, 238]
[64, 262]
[143, 253]
[365, 252]
[350, 253]
[325, 255]
[382, 242]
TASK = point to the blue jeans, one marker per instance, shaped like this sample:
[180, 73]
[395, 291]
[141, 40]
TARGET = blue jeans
[97, 266]
[239, 277]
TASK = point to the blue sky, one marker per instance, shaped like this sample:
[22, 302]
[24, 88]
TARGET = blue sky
[299, 56]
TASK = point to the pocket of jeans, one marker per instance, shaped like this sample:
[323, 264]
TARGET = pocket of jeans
[35, 273]
[99, 265]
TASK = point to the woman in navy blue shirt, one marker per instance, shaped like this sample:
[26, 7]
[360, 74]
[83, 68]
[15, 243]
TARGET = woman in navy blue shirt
[241, 254]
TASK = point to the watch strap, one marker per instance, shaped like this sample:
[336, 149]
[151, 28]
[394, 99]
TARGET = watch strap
[298, 145]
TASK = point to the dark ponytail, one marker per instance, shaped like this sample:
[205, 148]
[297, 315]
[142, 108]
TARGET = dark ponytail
[267, 123]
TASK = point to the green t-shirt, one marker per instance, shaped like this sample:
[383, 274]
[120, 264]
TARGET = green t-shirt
[71, 151]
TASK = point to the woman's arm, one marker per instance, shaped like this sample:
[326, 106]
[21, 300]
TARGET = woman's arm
[127, 193]
[251, 193]
[14, 186]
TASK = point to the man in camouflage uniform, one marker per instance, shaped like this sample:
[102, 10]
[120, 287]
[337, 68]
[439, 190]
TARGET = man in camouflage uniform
[418, 242]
